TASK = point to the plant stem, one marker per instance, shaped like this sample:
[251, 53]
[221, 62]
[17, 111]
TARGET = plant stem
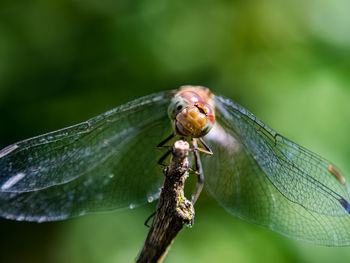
[173, 209]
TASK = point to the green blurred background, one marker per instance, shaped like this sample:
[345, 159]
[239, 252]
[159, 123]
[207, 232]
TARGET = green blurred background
[62, 62]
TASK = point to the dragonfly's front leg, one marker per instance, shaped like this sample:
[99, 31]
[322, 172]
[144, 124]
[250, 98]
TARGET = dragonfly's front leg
[161, 144]
[200, 176]
[164, 156]
[206, 149]
[169, 151]
[198, 166]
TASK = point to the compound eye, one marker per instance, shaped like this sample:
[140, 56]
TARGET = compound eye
[176, 106]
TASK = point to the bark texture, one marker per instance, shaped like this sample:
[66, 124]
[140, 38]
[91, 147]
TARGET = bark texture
[173, 209]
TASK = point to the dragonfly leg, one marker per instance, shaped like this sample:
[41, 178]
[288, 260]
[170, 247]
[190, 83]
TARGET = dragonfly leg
[199, 172]
[170, 149]
[164, 156]
[161, 144]
[206, 148]
[210, 152]
[149, 218]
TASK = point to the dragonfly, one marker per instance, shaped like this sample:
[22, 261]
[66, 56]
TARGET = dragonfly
[110, 162]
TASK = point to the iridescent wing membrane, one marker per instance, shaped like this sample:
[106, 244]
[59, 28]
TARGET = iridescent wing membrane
[109, 162]
[266, 179]
[105, 163]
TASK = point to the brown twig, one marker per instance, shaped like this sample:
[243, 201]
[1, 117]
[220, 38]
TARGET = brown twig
[173, 209]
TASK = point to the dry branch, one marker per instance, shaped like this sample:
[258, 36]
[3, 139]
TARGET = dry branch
[173, 209]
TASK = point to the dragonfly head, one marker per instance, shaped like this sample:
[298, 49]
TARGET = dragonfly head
[191, 116]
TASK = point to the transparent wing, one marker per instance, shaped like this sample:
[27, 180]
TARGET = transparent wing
[105, 163]
[266, 179]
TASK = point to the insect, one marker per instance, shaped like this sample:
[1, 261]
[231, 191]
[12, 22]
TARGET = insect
[110, 162]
